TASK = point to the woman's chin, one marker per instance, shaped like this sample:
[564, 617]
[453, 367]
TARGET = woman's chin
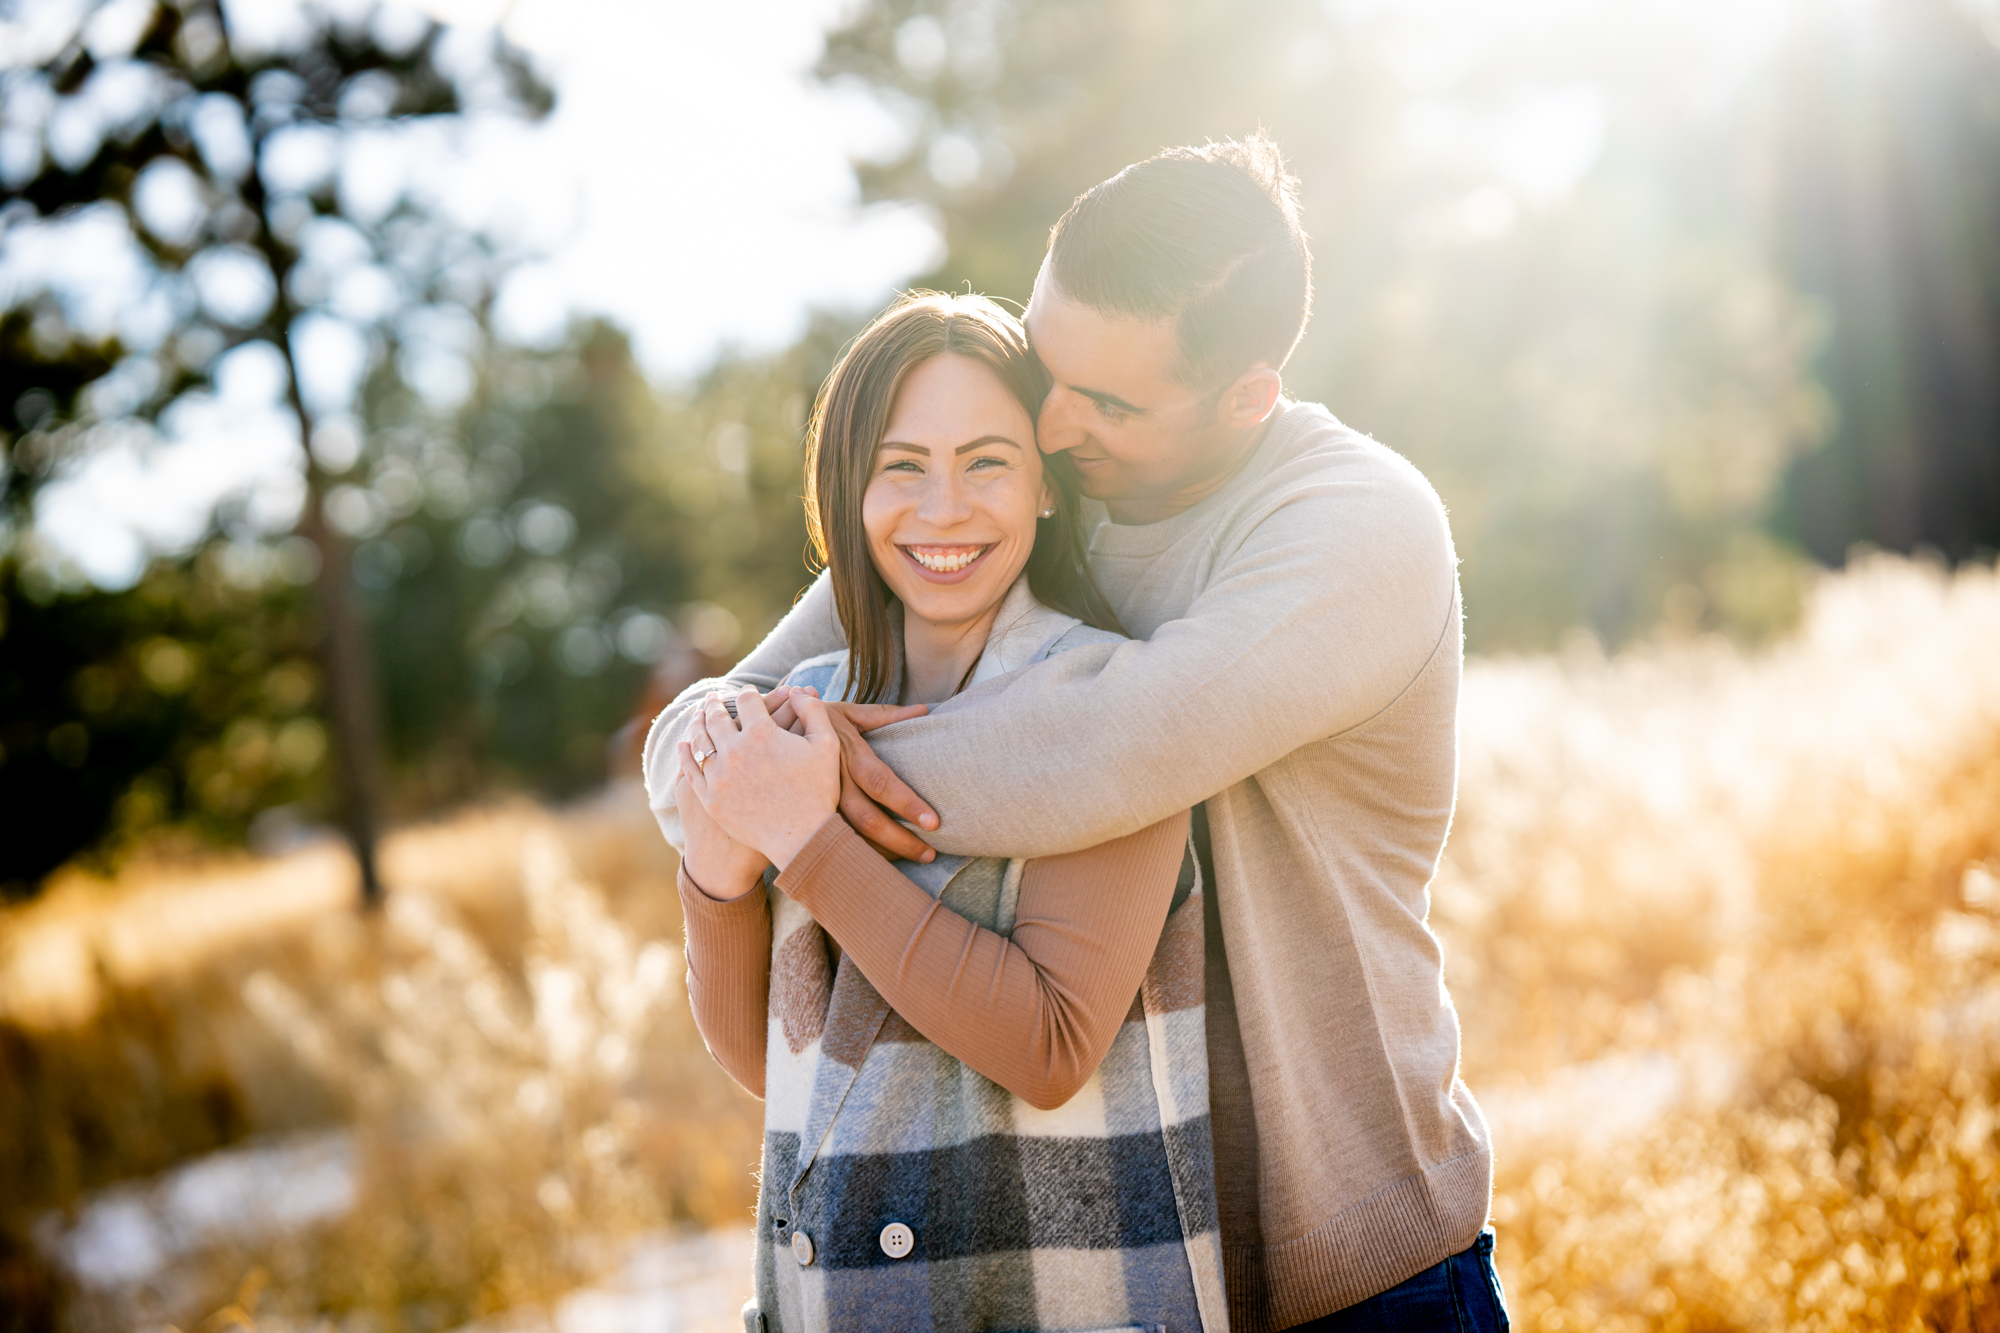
[951, 604]
[955, 602]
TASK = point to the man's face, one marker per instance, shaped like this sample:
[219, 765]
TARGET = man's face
[1129, 432]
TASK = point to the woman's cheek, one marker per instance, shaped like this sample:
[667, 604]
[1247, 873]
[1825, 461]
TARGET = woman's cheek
[879, 512]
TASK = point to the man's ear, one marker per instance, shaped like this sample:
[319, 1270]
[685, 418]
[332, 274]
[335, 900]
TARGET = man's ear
[1250, 399]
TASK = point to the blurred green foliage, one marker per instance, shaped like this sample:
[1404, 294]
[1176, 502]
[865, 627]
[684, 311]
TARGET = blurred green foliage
[189, 696]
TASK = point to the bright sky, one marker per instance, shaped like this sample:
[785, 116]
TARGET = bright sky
[693, 184]
[709, 195]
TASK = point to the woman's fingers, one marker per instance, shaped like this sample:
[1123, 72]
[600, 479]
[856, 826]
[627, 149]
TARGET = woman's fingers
[690, 771]
[813, 713]
[719, 726]
[698, 739]
[784, 713]
[750, 710]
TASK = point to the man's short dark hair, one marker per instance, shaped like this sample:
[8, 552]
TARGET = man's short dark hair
[1207, 236]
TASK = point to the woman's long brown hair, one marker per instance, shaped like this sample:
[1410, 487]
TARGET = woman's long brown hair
[847, 425]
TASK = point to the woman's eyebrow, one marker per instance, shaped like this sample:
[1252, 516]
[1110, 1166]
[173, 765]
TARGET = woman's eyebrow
[983, 441]
[968, 447]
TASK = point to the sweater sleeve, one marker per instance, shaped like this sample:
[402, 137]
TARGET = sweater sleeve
[810, 628]
[729, 977]
[1306, 625]
[1035, 1012]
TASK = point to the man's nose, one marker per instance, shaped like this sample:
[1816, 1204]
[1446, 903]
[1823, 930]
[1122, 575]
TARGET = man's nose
[1057, 428]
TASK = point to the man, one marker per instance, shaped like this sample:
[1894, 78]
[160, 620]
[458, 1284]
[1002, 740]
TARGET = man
[1294, 678]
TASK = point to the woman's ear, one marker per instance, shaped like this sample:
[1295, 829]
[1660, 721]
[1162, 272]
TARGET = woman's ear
[1048, 509]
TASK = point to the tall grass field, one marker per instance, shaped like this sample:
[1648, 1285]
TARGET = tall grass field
[1722, 927]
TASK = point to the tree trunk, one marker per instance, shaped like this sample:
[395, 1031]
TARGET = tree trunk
[350, 688]
[345, 660]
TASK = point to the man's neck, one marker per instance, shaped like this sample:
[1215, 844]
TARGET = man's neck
[1139, 510]
[938, 658]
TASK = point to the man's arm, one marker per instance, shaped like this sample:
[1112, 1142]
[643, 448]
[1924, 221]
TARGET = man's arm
[1317, 620]
[810, 628]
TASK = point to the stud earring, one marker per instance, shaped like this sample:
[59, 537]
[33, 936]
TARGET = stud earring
[1050, 512]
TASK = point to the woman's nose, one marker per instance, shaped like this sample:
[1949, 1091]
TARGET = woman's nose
[944, 501]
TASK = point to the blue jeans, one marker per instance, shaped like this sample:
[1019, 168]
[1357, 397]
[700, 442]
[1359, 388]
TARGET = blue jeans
[1460, 1295]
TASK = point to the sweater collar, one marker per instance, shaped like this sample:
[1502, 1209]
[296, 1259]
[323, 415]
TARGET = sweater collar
[1023, 631]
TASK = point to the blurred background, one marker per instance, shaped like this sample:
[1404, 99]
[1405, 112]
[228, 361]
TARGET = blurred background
[398, 404]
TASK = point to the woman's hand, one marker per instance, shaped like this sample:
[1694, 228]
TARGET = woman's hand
[763, 786]
[720, 866]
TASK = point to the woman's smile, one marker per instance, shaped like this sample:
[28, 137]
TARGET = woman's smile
[945, 564]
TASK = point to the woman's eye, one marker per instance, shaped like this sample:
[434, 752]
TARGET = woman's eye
[901, 465]
[1110, 413]
[986, 464]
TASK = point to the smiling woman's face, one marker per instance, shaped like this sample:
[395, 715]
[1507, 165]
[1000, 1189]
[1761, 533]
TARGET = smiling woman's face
[955, 490]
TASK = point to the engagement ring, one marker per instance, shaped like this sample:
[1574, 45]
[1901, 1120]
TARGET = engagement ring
[702, 756]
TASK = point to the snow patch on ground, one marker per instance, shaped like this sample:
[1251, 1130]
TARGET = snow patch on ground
[126, 1244]
[130, 1233]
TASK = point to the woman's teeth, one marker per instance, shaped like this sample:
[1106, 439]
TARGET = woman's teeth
[948, 561]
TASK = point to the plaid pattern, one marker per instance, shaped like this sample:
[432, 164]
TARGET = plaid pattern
[1098, 1215]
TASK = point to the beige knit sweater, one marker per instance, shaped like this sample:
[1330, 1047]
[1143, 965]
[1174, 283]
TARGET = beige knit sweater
[1296, 668]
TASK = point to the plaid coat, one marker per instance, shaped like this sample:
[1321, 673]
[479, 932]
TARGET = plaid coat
[901, 1190]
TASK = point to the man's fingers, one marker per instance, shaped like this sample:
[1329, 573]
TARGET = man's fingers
[879, 782]
[867, 717]
[871, 822]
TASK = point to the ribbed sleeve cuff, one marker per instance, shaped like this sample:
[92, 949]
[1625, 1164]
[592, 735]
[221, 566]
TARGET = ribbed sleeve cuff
[823, 852]
[718, 918]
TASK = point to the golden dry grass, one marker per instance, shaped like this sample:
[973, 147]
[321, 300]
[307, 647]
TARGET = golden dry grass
[509, 1040]
[1721, 928]
[1722, 933]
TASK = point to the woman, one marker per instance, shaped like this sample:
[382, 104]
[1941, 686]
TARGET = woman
[986, 1094]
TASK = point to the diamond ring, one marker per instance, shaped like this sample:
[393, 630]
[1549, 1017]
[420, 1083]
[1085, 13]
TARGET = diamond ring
[702, 756]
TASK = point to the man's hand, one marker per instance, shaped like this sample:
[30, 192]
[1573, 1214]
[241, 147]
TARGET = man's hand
[871, 795]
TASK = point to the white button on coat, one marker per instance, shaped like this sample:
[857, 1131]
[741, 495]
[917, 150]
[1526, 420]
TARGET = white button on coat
[898, 1240]
[802, 1248]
